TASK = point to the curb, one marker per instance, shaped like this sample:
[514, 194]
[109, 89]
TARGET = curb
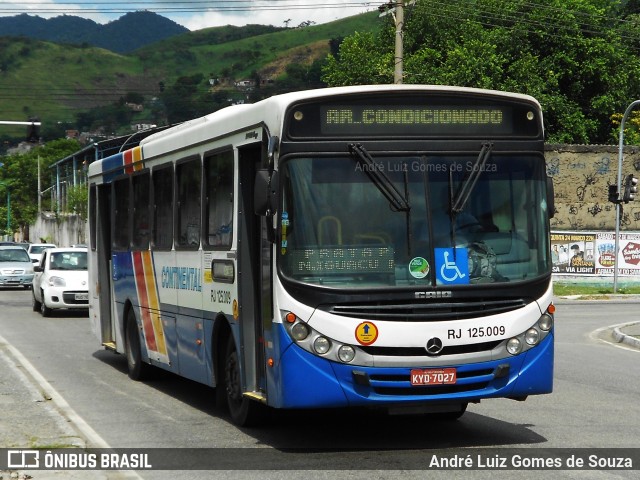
[622, 337]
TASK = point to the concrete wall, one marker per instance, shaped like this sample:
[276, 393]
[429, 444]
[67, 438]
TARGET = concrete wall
[64, 231]
[581, 176]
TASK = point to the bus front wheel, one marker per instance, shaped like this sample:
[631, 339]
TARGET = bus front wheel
[138, 370]
[244, 412]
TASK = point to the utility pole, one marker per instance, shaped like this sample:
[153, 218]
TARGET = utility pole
[397, 10]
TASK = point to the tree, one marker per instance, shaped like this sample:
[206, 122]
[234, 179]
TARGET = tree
[188, 98]
[575, 56]
[20, 172]
[360, 61]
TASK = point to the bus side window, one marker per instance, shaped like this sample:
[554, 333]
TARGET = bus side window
[163, 207]
[121, 195]
[218, 194]
[188, 175]
[141, 225]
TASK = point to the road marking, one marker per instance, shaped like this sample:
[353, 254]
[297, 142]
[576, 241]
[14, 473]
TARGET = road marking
[92, 437]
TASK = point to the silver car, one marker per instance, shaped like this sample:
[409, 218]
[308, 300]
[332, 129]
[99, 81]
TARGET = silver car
[16, 268]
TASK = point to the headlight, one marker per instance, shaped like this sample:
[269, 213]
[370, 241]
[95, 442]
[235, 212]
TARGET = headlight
[514, 346]
[314, 342]
[299, 331]
[346, 353]
[531, 336]
[321, 345]
[546, 322]
[57, 282]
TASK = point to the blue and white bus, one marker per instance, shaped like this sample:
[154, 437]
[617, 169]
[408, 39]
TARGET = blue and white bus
[369, 246]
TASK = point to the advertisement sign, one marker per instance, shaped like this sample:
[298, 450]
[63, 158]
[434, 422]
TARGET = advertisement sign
[593, 253]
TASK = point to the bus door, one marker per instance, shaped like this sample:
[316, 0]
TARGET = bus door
[104, 289]
[254, 274]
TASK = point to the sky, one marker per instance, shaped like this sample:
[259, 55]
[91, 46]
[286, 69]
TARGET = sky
[199, 14]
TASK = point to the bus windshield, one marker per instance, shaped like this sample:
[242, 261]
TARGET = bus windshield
[450, 220]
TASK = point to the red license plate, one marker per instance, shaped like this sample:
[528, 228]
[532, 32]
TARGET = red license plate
[433, 376]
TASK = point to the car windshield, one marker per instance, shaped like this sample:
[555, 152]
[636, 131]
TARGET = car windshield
[428, 220]
[14, 255]
[68, 261]
[39, 248]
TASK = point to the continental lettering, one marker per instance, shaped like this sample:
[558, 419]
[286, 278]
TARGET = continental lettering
[182, 278]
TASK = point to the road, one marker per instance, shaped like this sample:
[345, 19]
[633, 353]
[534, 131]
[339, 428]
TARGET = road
[595, 404]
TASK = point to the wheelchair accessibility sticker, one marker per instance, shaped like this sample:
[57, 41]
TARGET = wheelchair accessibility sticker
[452, 267]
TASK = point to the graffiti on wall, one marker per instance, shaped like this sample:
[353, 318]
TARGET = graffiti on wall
[581, 176]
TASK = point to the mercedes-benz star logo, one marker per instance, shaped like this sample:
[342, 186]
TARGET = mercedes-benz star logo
[434, 346]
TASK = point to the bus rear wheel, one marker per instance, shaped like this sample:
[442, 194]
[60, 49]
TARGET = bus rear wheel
[244, 412]
[138, 370]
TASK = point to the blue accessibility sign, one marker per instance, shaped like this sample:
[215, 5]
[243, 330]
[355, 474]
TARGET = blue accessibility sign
[452, 266]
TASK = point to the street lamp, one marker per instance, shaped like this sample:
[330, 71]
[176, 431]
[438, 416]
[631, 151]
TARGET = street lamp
[631, 106]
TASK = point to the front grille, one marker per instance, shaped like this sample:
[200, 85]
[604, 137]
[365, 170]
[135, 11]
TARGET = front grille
[424, 311]
[467, 381]
[10, 271]
[422, 352]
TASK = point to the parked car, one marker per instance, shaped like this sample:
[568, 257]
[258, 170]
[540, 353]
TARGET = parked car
[16, 268]
[35, 250]
[61, 280]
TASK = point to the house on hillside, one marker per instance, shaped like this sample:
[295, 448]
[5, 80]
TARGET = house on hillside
[245, 85]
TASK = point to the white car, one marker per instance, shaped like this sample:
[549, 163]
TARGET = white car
[61, 280]
[35, 250]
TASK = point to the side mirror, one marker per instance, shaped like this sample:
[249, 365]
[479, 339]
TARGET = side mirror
[265, 192]
[551, 202]
[37, 268]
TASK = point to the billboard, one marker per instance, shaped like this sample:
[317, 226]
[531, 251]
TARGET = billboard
[593, 253]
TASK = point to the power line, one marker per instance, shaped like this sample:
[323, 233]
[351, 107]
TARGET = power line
[179, 7]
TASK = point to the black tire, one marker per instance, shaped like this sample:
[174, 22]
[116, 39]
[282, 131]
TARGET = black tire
[137, 369]
[35, 304]
[243, 411]
[44, 310]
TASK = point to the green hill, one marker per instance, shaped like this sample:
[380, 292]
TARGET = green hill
[55, 82]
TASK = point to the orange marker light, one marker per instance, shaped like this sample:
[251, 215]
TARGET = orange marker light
[270, 362]
[290, 317]
[551, 308]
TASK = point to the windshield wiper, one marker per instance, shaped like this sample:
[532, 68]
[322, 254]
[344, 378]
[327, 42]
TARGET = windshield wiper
[380, 179]
[461, 198]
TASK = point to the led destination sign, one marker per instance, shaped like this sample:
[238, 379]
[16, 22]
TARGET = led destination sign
[342, 260]
[414, 116]
[410, 120]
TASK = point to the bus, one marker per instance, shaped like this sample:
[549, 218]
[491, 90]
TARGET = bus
[377, 246]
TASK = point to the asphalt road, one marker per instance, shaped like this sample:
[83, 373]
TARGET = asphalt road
[595, 405]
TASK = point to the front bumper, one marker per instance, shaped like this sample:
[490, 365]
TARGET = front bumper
[63, 298]
[309, 381]
[16, 280]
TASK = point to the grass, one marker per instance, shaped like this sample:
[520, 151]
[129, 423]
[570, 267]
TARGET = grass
[561, 289]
